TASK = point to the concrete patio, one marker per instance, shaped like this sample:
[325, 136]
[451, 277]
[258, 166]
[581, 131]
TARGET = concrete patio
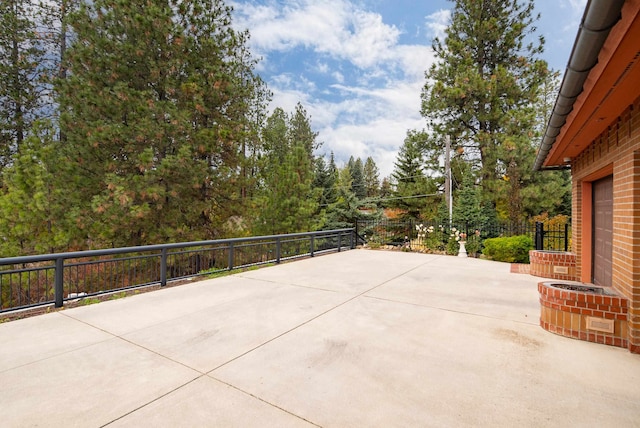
[355, 339]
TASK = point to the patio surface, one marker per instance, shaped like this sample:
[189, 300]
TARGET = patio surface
[355, 339]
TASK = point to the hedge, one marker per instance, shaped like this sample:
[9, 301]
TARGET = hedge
[513, 249]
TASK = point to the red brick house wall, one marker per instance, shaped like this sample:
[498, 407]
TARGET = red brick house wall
[615, 152]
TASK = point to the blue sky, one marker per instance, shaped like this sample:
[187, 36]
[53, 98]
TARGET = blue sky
[358, 66]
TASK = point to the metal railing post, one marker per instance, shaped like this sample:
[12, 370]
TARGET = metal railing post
[163, 267]
[566, 237]
[312, 244]
[278, 250]
[231, 256]
[339, 241]
[353, 237]
[539, 236]
[411, 229]
[59, 282]
[356, 230]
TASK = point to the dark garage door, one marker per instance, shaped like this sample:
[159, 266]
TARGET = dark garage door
[602, 230]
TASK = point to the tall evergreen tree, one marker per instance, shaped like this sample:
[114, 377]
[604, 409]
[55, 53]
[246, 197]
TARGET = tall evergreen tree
[467, 206]
[411, 183]
[324, 179]
[483, 89]
[53, 18]
[326, 182]
[333, 169]
[300, 131]
[36, 209]
[386, 190]
[345, 210]
[371, 177]
[34, 216]
[549, 191]
[21, 58]
[288, 199]
[358, 185]
[156, 102]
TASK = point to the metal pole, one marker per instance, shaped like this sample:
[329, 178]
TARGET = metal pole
[539, 236]
[448, 181]
[278, 250]
[231, 256]
[356, 230]
[411, 226]
[163, 267]
[339, 241]
[59, 282]
[566, 237]
[312, 246]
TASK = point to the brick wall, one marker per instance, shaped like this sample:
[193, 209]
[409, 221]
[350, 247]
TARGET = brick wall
[553, 264]
[616, 151]
[568, 313]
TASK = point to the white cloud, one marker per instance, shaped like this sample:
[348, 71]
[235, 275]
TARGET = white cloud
[364, 123]
[377, 138]
[438, 22]
[335, 27]
[287, 98]
[322, 67]
[367, 89]
[292, 81]
[368, 122]
[373, 97]
[414, 60]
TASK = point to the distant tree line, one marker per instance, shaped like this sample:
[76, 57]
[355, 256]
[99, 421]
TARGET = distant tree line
[137, 122]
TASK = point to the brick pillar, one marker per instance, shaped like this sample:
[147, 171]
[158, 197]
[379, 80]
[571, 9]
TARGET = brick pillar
[576, 223]
[634, 329]
[634, 277]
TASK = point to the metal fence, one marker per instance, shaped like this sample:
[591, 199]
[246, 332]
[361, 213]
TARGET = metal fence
[31, 281]
[412, 232]
[556, 238]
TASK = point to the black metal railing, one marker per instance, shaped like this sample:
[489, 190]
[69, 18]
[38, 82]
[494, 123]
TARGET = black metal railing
[418, 233]
[46, 279]
[552, 238]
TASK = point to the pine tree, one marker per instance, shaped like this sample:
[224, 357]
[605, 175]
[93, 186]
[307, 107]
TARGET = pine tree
[302, 140]
[386, 190]
[21, 59]
[467, 208]
[483, 89]
[344, 211]
[33, 216]
[157, 99]
[371, 178]
[549, 191]
[411, 184]
[300, 131]
[288, 199]
[324, 179]
[358, 185]
[53, 18]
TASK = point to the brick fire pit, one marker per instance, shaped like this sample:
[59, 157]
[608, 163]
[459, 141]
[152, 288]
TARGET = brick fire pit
[584, 312]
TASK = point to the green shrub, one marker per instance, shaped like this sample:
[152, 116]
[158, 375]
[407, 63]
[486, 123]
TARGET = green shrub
[514, 249]
[453, 246]
[474, 245]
